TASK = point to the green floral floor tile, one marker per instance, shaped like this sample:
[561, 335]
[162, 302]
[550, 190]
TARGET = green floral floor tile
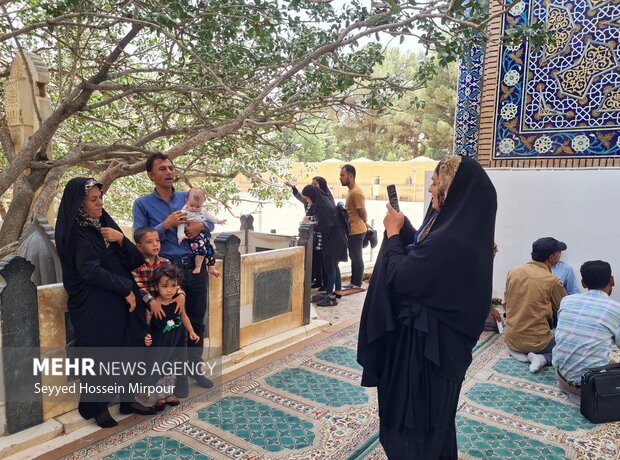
[488, 442]
[529, 406]
[513, 368]
[341, 356]
[156, 447]
[319, 388]
[262, 425]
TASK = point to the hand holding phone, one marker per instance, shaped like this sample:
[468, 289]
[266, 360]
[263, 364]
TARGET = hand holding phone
[392, 197]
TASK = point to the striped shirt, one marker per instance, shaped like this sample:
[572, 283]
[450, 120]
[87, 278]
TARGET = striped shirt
[588, 326]
[144, 278]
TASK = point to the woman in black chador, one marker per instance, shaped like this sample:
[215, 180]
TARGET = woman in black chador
[96, 261]
[333, 235]
[425, 309]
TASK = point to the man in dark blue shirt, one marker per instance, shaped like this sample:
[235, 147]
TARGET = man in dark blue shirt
[162, 211]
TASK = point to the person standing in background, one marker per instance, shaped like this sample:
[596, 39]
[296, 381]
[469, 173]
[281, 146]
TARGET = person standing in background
[356, 208]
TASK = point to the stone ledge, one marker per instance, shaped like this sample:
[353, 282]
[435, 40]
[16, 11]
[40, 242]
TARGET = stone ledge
[29, 437]
[272, 344]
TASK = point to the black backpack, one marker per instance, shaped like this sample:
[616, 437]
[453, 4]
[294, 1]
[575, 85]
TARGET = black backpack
[343, 215]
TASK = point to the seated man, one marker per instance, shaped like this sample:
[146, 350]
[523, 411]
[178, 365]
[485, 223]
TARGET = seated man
[566, 274]
[532, 295]
[588, 326]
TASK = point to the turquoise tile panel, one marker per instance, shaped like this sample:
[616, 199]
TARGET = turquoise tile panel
[488, 442]
[319, 388]
[156, 448]
[529, 406]
[262, 425]
[341, 356]
[513, 368]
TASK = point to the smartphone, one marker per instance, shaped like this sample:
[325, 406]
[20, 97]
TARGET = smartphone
[391, 191]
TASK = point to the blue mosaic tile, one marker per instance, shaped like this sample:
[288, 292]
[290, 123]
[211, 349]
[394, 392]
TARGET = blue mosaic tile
[340, 356]
[529, 406]
[514, 368]
[467, 111]
[561, 99]
[264, 426]
[157, 448]
[488, 442]
[319, 388]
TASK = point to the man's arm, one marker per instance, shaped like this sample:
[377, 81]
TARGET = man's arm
[557, 294]
[360, 205]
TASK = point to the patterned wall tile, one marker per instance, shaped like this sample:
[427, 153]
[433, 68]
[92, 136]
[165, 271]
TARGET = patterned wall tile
[561, 99]
[467, 112]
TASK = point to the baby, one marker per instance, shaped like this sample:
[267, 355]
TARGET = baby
[200, 245]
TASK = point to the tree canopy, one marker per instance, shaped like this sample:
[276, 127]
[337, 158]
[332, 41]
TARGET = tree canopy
[212, 84]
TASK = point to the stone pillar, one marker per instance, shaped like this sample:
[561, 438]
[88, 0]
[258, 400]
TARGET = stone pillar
[19, 329]
[247, 225]
[37, 246]
[227, 246]
[306, 236]
[27, 104]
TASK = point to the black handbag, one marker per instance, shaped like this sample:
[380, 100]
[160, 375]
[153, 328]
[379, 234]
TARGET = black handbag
[600, 394]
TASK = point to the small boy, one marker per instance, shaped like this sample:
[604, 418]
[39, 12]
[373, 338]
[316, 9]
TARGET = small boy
[147, 242]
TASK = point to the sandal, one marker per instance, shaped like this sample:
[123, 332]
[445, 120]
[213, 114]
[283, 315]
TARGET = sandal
[172, 401]
[160, 405]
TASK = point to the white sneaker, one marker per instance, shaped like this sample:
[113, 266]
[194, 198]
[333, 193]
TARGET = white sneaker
[521, 357]
[538, 362]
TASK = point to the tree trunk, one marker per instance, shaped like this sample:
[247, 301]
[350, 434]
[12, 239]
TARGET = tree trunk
[17, 215]
[46, 196]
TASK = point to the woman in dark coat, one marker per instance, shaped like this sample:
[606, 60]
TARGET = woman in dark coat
[425, 309]
[333, 235]
[96, 261]
[318, 276]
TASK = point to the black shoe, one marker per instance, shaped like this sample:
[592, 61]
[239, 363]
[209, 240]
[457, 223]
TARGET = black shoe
[181, 388]
[104, 419]
[328, 301]
[317, 297]
[202, 381]
[136, 408]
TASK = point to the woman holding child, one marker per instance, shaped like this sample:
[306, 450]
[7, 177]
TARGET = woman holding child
[97, 260]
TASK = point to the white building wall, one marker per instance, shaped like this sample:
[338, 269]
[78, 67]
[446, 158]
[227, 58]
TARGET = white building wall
[579, 207]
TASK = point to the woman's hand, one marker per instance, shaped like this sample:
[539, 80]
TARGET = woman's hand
[112, 235]
[393, 221]
[131, 300]
[148, 340]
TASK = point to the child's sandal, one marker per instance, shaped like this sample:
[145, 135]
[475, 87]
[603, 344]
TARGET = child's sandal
[172, 401]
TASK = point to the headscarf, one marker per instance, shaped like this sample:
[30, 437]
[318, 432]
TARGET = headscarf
[445, 170]
[323, 207]
[451, 268]
[323, 186]
[71, 216]
[83, 219]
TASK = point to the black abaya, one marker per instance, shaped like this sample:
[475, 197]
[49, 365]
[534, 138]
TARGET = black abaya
[97, 279]
[424, 311]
